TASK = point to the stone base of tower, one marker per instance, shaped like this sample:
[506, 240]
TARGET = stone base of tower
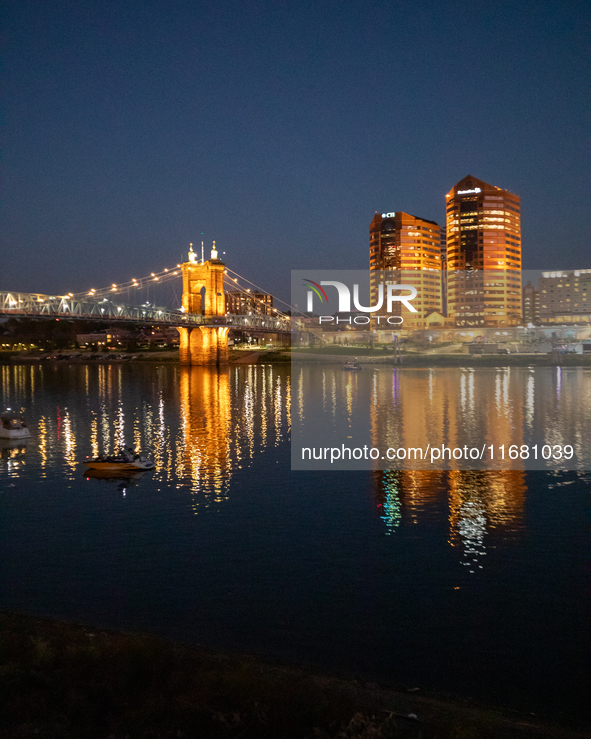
[203, 345]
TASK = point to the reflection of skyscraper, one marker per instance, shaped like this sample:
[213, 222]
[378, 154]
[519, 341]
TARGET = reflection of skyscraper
[480, 501]
[412, 408]
[405, 493]
[406, 248]
[416, 407]
[483, 236]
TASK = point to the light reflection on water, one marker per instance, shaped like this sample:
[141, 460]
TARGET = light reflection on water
[539, 411]
[219, 441]
[198, 425]
[201, 425]
[480, 503]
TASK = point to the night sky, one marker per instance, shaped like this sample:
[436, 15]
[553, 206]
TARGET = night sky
[278, 129]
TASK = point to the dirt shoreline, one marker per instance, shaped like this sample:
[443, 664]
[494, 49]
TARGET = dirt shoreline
[409, 360]
[449, 360]
[68, 680]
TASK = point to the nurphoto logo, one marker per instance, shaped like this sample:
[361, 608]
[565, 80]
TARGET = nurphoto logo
[344, 297]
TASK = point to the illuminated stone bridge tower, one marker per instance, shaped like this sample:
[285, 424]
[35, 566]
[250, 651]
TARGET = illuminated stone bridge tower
[203, 294]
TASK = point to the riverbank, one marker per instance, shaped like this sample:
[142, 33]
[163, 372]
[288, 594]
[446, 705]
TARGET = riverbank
[412, 359]
[240, 356]
[66, 680]
[325, 356]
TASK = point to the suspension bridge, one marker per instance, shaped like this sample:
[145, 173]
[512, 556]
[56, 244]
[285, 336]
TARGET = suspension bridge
[209, 291]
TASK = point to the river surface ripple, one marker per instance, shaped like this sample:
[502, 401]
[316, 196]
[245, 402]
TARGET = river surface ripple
[472, 583]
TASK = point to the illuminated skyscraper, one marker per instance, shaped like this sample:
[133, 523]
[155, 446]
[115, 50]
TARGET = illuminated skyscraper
[407, 249]
[483, 254]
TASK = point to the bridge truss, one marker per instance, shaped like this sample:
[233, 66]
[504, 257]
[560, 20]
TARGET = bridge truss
[105, 309]
[130, 302]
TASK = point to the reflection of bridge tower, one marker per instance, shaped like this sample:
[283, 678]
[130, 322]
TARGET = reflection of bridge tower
[206, 414]
[203, 294]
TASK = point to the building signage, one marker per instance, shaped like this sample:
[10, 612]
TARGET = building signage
[388, 215]
[466, 192]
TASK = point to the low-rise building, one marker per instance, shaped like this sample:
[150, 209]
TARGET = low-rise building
[241, 303]
[565, 296]
[97, 338]
[531, 304]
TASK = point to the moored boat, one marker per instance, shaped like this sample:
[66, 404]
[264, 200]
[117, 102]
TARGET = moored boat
[13, 426]
[125, 459]
[351, 366]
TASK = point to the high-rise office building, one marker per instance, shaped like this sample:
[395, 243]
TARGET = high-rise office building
[483, 254]
[407, 249]
[444, 271]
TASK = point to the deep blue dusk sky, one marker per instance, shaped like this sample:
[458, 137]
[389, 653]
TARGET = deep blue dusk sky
[278, 129]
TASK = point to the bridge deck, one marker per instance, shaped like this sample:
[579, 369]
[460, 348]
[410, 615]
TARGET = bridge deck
[51, 306]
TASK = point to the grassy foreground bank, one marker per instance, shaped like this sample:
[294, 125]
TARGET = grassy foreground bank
[71, 681]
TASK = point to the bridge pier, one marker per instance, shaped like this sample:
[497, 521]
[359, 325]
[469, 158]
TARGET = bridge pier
[203, 345]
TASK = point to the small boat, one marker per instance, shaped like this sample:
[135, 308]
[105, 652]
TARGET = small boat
[351, 366]
[126, 459]
[13, 426]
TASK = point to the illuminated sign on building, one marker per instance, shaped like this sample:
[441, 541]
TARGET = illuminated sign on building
[466, 192]
[388, 215]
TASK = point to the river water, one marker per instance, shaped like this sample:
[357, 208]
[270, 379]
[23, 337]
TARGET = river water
[471, 583]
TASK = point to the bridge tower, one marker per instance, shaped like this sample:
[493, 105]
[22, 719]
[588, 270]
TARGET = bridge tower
[203, 294]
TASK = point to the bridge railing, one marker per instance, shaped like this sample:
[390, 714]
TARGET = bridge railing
[66, 306]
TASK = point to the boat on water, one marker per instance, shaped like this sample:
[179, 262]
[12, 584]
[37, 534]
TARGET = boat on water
[13, 426]
[125, 459]
[352, 366]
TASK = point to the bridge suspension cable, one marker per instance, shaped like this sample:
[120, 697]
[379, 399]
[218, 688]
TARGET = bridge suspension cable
[232, 281]
[259, 289]
[166, 275]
